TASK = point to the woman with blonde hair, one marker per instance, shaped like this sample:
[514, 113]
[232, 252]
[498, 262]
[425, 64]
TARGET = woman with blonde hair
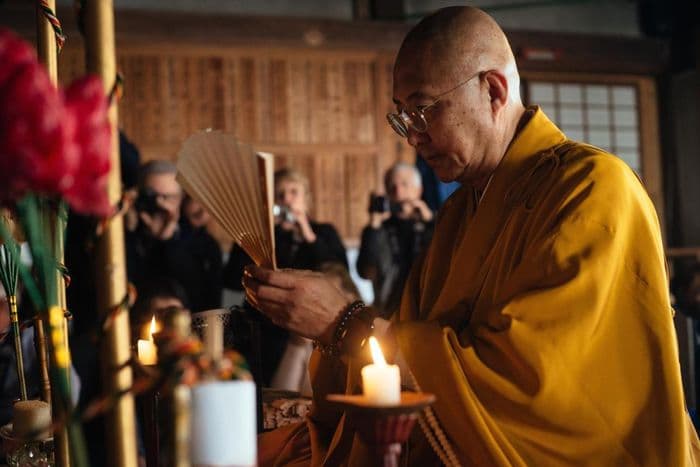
[300, 243]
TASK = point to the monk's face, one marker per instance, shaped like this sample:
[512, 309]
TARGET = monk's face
[459, 124]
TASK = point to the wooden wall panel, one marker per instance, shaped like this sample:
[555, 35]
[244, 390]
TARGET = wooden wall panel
[330, 190]
[299, 98]
[358, 185]
[322, 113]
[247, 99]
[279, 100]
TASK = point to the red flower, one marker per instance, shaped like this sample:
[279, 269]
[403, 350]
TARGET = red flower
[86, 100]
[48, 144]
[37, 152]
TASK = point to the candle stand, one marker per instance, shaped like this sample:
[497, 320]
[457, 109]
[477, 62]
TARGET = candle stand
[383, 428]
[147, 406]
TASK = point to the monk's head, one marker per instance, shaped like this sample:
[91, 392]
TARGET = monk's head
[458, 68]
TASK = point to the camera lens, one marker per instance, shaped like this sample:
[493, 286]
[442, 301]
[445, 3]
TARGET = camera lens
[283, 213]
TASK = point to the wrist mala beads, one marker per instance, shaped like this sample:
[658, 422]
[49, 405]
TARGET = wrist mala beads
[347, 338]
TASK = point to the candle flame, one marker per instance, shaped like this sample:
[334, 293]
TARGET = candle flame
[153, 327]
[377, 354]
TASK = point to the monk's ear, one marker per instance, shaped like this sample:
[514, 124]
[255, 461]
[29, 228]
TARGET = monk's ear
[498, 90]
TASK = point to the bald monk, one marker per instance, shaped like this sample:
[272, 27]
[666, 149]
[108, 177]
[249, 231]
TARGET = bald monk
[539, 315]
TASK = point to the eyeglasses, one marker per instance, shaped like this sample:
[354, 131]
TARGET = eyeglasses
[413, 117]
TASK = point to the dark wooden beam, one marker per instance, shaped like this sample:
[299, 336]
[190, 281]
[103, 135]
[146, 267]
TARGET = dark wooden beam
[388, 10]
[361, 10]
[565, 52]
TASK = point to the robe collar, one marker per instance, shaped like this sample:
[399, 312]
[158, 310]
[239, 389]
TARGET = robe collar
[537, 135]
[477, 229]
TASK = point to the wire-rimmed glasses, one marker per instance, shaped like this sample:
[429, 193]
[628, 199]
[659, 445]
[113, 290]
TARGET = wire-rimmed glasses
[413, 117]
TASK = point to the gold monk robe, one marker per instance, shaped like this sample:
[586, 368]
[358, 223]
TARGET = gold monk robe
[541, 319]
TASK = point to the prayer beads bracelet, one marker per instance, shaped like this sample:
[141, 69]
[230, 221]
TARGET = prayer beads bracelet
[343, 330]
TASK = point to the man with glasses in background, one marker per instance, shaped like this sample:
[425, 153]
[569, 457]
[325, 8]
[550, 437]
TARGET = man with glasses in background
[399, 230]
[540, 314]
[158, 247]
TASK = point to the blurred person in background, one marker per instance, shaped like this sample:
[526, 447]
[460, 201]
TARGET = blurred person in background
[160, 245]
[400, 228]
[300, 243]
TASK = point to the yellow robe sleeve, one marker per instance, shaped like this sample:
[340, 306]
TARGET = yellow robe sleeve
[566, 353]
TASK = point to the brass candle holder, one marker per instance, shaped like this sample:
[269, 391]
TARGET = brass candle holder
[383, 427]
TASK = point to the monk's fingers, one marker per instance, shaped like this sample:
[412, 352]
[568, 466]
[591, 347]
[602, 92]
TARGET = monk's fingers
[278, 314]
[253, 300]
[282, 279]
[261, 294]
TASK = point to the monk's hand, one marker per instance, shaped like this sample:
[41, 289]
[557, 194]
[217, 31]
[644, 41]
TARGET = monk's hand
[304, 302]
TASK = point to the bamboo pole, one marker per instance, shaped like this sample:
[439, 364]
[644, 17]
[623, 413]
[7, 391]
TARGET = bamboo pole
[14, 319]
[46, 42]
[98, 18]
[48, 55]
[61, 443]
[40, 346]
[46, 51]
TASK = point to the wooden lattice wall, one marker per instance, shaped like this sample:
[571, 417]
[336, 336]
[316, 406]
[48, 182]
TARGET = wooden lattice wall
[312, 92]
[321, 112]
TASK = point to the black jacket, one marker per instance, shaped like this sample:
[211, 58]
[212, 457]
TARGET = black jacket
[386, 256]
[191, 257]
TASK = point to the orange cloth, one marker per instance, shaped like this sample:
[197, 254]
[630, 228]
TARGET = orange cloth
[541, 321]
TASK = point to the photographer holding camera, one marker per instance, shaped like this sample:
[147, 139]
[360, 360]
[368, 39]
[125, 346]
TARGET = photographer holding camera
[158, 247]
[400, 228]
[300, 243]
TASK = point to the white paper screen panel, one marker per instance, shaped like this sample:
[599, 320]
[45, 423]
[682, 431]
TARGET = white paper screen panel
[604, 115]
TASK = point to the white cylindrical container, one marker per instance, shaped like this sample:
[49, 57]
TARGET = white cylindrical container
[211, 323]
[224, 427]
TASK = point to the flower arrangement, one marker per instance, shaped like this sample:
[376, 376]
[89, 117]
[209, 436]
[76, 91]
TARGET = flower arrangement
[55, 147]
[53, 143]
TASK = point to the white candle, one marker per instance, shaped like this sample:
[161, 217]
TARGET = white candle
[147, 350]
[381, 382]
[224, 427]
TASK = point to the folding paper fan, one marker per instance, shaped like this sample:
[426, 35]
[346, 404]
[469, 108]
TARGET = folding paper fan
[234, 183]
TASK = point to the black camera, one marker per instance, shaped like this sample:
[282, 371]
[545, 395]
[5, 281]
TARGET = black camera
[381, 204]
[147, 201]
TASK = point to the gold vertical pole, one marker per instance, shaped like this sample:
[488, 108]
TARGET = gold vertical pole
[48, 55]
[46, 51]
[46, 42]
[98, 18]
[61, 443]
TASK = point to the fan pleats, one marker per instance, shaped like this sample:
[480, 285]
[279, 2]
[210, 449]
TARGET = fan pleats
[234, 183]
